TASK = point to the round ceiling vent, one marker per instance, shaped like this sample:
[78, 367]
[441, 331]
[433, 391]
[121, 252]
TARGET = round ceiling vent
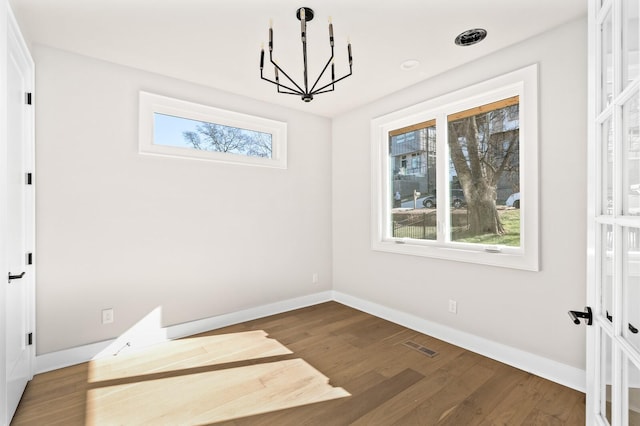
[409, 65]
[469, 37]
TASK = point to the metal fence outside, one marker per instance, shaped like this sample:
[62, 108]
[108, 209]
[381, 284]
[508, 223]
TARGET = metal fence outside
[423, 226]
[419, 226]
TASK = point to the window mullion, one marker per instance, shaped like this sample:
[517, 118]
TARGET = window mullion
[442, 161]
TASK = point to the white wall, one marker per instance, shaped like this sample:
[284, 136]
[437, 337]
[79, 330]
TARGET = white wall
[131, 232]
[120, 230]
[521, 309]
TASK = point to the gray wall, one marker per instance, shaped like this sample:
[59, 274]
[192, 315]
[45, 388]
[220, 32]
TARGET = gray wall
[521, 309]
[131, 232]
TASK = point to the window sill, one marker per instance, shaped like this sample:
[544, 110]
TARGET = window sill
[501, 256]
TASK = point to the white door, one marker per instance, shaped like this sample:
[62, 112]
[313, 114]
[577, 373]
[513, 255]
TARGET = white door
[613, 289]
[19, 280]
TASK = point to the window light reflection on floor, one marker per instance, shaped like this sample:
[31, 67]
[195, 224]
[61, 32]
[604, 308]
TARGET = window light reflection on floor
[200, 380]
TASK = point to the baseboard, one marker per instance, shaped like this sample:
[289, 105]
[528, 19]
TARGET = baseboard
[557, 372]
[563, 374]
[68, 357]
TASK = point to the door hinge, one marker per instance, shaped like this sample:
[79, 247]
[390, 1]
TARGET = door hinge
[30, 339]
[29, 258]
[29, 178]
[27, 98]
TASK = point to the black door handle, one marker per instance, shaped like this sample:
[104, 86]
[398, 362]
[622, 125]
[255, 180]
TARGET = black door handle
[15, 277]
[574, 315]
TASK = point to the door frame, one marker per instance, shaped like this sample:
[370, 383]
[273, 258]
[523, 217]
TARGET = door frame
[592, 357]
[601, 371]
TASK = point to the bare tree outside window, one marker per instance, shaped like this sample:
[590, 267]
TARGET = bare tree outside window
[484, 149]
[232, 140]
[261, 145]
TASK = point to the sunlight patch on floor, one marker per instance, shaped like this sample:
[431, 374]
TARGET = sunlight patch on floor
[213, 396]
[187, 353]
[201, 380]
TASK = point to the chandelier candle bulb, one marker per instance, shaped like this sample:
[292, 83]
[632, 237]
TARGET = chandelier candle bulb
[330, 31]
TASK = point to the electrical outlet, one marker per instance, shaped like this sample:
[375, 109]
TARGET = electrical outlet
[107, 316]
[314, 278]
[453, 306]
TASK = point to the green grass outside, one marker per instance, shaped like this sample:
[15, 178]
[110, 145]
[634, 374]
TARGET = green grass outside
[510, 220]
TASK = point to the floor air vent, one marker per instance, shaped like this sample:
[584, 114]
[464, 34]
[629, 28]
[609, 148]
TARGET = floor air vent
[422, 349]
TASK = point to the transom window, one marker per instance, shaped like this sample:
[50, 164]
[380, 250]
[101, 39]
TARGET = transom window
[177, 128]
[456, 177]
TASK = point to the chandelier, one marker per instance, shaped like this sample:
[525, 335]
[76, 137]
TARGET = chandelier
[290, 87]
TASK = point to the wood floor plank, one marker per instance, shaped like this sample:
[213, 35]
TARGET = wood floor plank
[428, 388]
[537, 418]
[357, 406]
[556, 400]
[326, 364]
[484, 399]
[577, 414]
[516, 406]
[435, 409]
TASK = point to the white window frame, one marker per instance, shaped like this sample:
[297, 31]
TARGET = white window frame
[524, 83]
[151, 103]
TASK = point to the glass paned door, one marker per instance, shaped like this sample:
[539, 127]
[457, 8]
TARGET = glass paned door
[613, 288]
[632, 394]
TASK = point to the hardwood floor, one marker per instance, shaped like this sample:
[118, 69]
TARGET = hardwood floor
[323, 365]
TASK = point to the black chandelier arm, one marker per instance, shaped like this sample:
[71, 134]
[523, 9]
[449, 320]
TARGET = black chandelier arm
[299, 89]
[321, 89]
[277, 83]
[322, 73]
[289, 90]
[290, 93]
[333, 80]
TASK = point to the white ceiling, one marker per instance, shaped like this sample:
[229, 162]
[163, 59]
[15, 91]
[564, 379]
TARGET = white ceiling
[216, 43]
